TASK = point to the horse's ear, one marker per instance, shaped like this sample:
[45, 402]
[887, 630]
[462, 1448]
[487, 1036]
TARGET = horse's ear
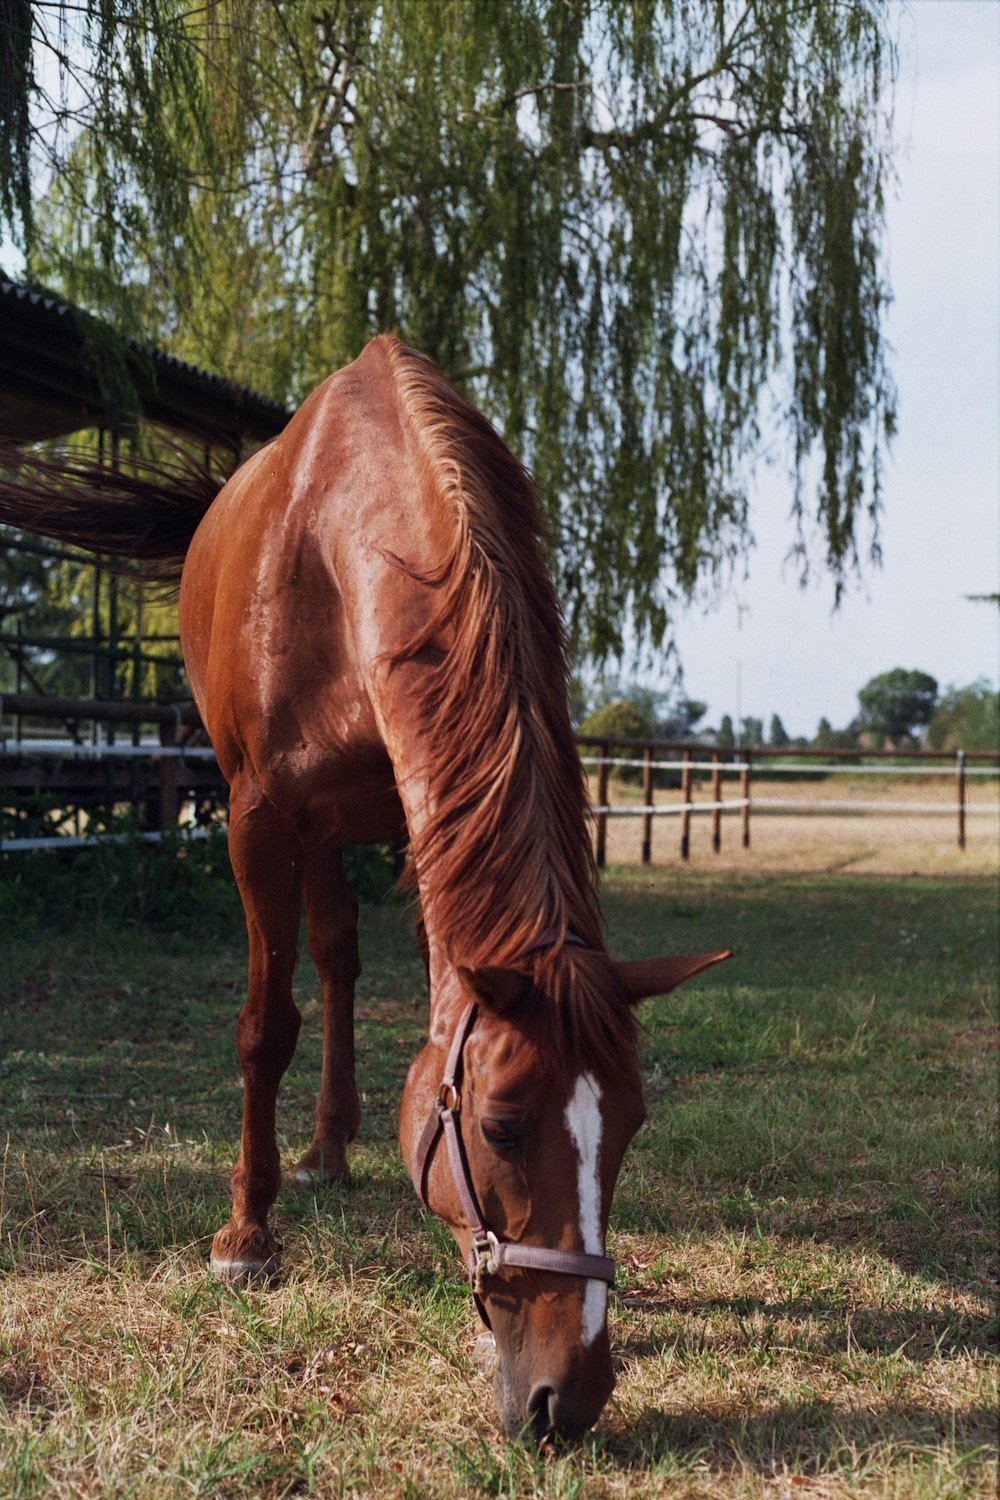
[643, 977]
[499, 988]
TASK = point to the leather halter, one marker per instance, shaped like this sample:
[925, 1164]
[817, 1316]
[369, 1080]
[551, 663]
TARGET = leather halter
[488, 1254]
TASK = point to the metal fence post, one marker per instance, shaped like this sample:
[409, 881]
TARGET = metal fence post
[18, 676]
[960, 778]
[647, 801]
[745, 794]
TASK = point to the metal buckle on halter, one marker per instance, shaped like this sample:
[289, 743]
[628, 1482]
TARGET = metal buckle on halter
[449, 1097]
[486, 1251]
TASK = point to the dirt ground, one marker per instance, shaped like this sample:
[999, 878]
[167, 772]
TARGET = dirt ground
[807, 839]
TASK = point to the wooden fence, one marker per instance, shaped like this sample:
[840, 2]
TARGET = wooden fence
[164, 761]
[148, 757]
[684, 760]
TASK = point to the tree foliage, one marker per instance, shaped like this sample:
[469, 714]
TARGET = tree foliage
[828, 738]
[617, 720]
[777, 735]
[634, 230]
[681, 719]
[751, 732]
[69, 627]
[966, 718]
[895, 705]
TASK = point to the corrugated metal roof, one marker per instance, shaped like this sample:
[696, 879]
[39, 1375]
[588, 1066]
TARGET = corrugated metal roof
[49, 384]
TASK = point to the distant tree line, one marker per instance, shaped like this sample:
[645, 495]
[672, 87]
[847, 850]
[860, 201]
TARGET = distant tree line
[900, 709]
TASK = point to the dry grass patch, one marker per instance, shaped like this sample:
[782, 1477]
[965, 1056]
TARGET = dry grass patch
[803, 1229]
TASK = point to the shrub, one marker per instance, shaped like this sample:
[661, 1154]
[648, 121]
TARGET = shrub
[615, 720]
[179, 884]
[612, 721]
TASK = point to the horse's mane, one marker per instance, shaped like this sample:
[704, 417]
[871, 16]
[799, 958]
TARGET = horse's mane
[507, 856]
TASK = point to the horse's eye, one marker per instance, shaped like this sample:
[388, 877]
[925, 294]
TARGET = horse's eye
[500, 1136]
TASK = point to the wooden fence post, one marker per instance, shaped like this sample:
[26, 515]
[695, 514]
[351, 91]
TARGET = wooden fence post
[745, 794]
[960, 778]
[686, 815]
[716, 798]
[647, 801]
[602, 802]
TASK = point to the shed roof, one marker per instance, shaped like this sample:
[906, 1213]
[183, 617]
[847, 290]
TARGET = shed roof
[50, 383]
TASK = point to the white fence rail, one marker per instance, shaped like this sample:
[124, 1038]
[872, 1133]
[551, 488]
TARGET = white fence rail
[676, 759]
[94, 840]
[103, 750]
[791, 768]
[697, 761]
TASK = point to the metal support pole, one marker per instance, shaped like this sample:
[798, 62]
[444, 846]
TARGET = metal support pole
[18, 676]
[602, 802]
[168, 777]
[111, 658]
[647, 800]
[960, 778]
[114, 624]
[745, 794]
[96, 686]
[686, 797]
[136, 693]
[716, 798]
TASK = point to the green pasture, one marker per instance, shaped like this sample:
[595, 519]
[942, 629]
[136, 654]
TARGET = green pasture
[803, 1227]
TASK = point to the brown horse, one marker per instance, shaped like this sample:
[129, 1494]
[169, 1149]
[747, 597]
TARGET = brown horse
[376, 648]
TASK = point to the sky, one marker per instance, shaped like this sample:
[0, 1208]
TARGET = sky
[768, 646]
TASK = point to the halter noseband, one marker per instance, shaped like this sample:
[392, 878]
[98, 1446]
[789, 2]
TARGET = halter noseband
[488, 1254]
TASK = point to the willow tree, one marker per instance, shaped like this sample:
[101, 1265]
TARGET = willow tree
[637, 231]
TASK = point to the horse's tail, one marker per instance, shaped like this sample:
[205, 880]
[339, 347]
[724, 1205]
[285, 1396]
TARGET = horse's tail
[145, 515]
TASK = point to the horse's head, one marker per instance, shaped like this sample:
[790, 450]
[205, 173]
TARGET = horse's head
[514, 1130]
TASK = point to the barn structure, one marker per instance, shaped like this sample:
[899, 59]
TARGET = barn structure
[79, 706]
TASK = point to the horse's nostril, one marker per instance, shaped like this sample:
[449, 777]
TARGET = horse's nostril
[542, 1403]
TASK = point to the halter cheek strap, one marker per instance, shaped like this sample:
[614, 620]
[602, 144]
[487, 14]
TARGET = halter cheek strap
[488, 1254]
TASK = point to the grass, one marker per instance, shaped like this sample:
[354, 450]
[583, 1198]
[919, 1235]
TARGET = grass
[803, 1228]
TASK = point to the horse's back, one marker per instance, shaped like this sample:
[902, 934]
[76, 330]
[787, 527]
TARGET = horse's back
[282, 610]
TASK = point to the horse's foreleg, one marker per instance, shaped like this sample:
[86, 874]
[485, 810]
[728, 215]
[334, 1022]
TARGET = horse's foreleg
[269, 871]
[332, 924]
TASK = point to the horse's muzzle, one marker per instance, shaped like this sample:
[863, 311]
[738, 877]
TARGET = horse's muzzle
[554, 1407]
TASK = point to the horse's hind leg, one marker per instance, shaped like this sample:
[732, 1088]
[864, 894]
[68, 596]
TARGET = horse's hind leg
[332, 924]
[269, 870]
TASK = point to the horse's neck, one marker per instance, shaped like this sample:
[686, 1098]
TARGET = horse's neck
[483, 758]
[447, 997]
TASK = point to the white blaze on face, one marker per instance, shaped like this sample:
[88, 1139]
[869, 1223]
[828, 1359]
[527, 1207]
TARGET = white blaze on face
[585, 1125]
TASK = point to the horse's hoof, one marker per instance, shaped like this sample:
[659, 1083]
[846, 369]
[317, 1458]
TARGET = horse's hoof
[245, 1257]
[314, 1180]
[249, 1273]
[322, 1166]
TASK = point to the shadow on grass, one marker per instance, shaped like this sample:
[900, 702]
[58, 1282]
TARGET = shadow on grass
[922, 1334]
[951, 1243]
[806, 1437]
